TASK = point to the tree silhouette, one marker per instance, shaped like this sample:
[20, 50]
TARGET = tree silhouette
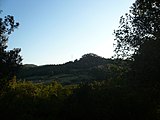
[10, 60]
[137, 27]
[138, 38]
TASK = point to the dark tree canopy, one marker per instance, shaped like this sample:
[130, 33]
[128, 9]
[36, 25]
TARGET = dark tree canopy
[138, 38]
[10, 60]
[141, 24]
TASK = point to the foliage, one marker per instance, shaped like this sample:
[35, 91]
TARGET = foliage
[139, 32]
[96, 100]
[138, 38]
[10, 60]
[137, 27]
[25, 100]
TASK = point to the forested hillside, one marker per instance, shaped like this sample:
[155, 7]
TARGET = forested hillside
[88, 68]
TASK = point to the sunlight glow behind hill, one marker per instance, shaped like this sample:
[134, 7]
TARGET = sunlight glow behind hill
[57, 31]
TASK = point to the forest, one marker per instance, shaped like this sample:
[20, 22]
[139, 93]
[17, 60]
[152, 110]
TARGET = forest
[125, 86]
[88, 68]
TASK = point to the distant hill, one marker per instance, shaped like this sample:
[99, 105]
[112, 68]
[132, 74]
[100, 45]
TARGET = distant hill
[29, 65]
[88, 68]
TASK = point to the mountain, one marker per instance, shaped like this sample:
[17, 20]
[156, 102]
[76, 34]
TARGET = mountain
[88, 68]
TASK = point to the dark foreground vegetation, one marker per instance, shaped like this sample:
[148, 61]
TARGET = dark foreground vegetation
[130, 89]
[96, 101]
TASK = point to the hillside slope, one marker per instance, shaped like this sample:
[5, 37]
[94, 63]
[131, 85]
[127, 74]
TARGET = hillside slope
[88, 68]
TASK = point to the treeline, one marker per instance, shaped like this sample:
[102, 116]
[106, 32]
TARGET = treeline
[88, 68]
[87, 62]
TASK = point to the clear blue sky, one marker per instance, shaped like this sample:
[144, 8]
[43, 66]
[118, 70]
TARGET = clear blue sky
[58, 31]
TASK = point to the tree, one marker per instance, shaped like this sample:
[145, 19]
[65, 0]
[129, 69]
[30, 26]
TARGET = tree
[138, 26]
[138, 38]
[10, 60]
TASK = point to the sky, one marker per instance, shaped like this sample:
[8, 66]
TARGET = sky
[58, 31]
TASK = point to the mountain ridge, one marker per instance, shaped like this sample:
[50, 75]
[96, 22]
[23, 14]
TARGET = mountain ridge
[88, 68]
